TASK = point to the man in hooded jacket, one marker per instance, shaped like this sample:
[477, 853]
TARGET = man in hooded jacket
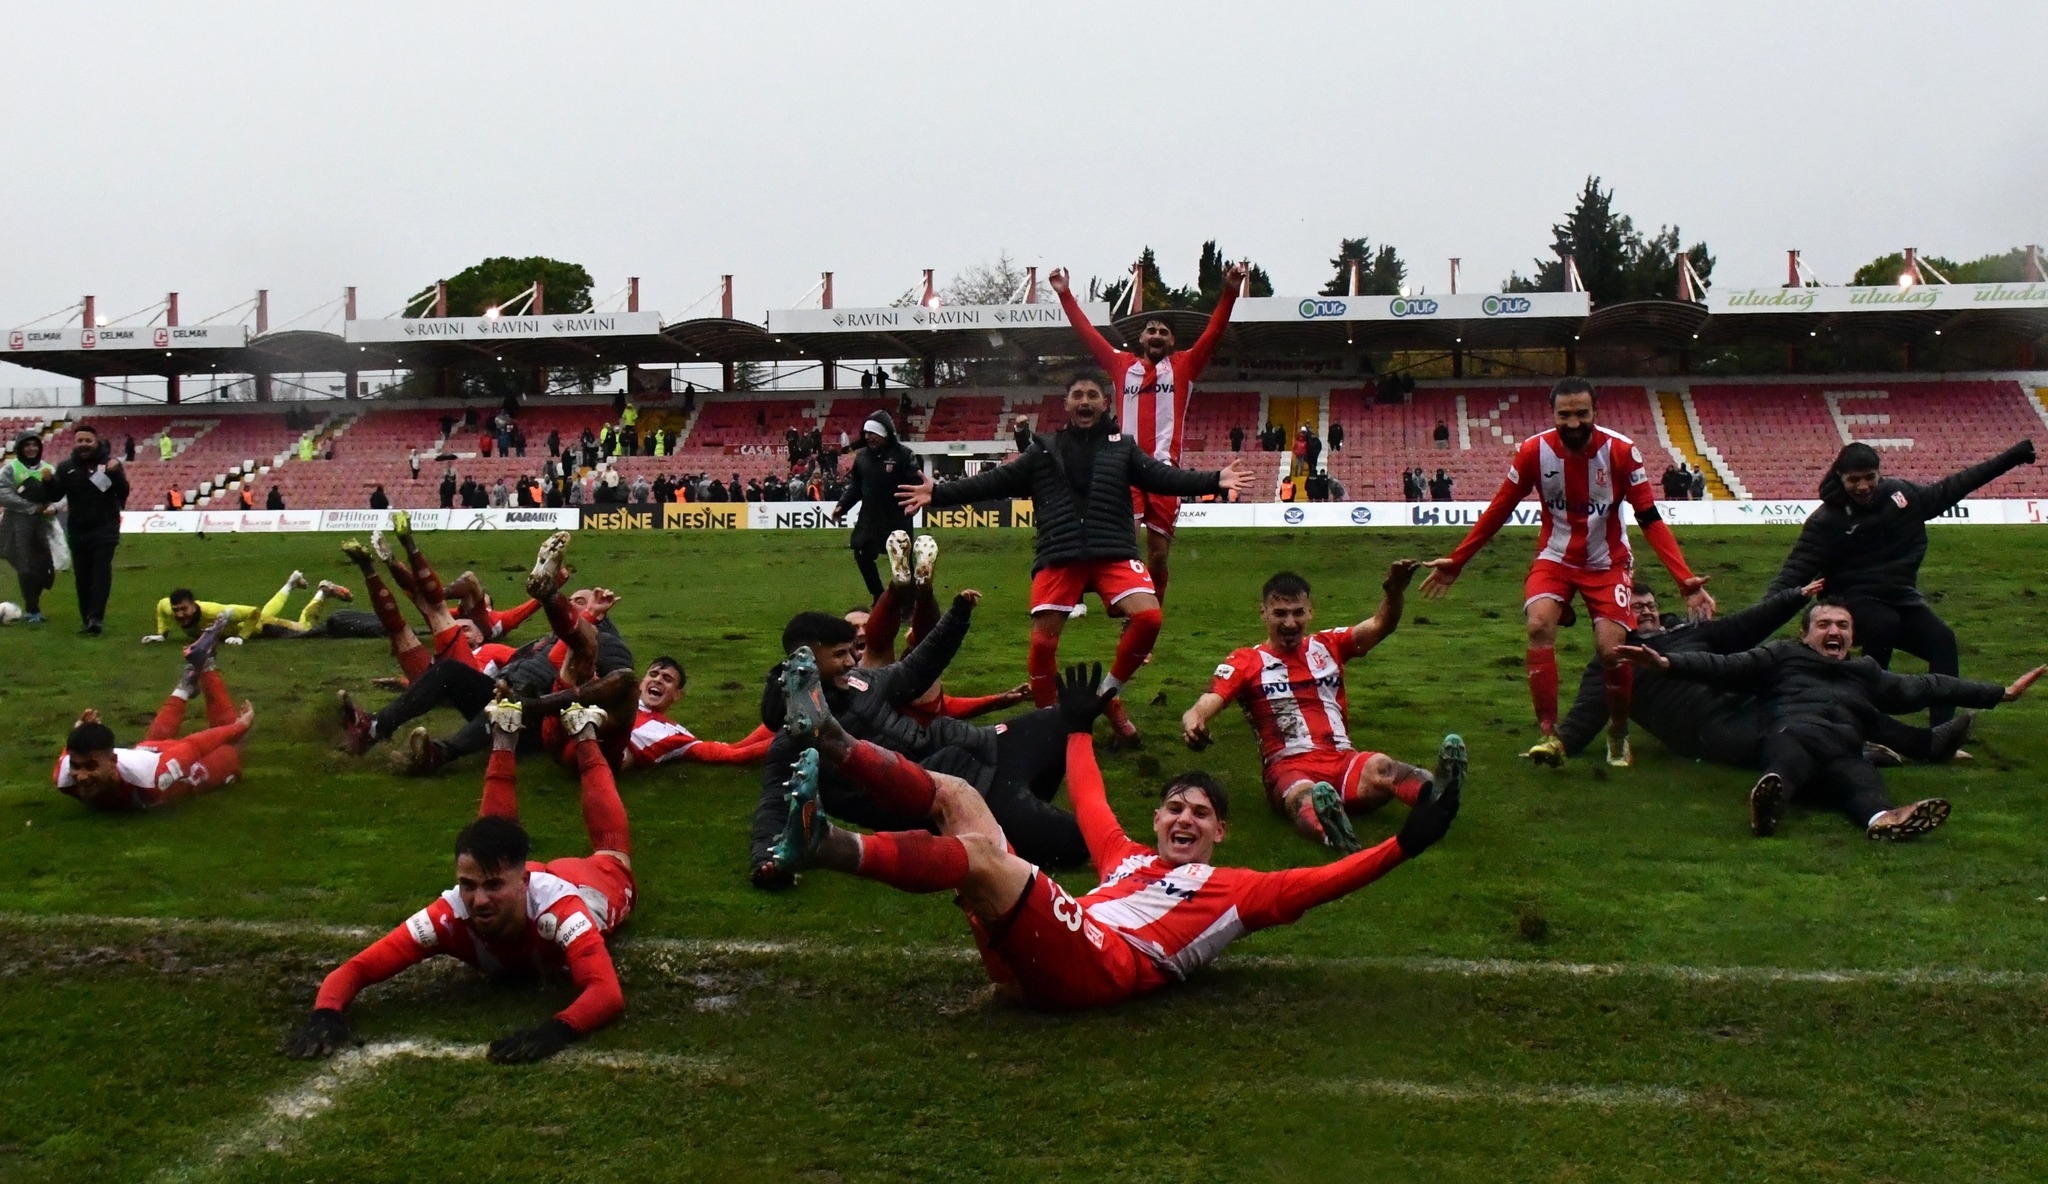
[1867, 540]
[24, 538]
[879, 469]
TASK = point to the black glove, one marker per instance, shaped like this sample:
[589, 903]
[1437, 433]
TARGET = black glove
[1079, 701]
[2025, 451]
[323, 1034]
[1427, 823]
[963, 605]
[534, 1044]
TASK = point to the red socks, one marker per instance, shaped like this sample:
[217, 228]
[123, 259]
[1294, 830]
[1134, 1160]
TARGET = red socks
[386, 606]
[894, 782]
[220, 706]
[913, 860]
[501, 785]
[562, 616]
[1043, 665]
[1135, 644]
[1305, 819]
[924, 613]
[883, 620]
[1543, 686]
[604, 815]
[426, 584]
[1619, 681]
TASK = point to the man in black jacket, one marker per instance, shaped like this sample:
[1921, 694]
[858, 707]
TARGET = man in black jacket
[1868, 539]
[879, 471]
[95, 486]
[1079, 480]
[1818, 707]
[1017, 766]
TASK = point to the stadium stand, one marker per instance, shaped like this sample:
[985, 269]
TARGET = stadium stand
[966, 417]
[1778, 437]
[1211, 415]
[722, 422]
[212, 446]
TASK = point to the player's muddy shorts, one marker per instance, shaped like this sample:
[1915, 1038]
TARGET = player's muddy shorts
[1345, 770]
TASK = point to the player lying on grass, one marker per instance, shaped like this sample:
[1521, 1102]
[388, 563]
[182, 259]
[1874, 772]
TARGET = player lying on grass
[1079, 480]
[510, 916]
[1158, 915]
[185, 613]
[1017, 766]
[163, 768]
[1697, 721]
[911, 567]
[658, 740]
[1291, 687]
[461, 641]
[1581, 472]
[1817, 706]
[466, 591]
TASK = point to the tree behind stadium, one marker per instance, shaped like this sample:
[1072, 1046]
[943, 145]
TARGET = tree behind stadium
[1380, 272]
[1616, 261]
[495, 283]
[2009, 267]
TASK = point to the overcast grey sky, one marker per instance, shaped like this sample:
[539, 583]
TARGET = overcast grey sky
[217, 148]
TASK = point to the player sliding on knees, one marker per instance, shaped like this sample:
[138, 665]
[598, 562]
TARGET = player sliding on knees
[1291, 688]
[247, 622]
[1159, 914]
[1079, 479]
[508, 915]
[1150, 389]
[163, 768]
[1581, 472]
[911, 568]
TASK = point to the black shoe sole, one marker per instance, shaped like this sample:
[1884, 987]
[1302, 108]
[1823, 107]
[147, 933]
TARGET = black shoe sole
[1766, 805]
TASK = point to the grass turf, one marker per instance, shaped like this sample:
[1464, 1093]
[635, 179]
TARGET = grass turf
[873, 1052]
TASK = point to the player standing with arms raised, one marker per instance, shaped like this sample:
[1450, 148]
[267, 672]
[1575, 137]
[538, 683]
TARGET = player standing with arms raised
[1581, 472]
[1149, 393]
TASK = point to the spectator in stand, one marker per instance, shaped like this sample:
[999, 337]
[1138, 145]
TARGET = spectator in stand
[754, 489]
[1697, 490]
[845, 441]
[735, 492]
[128, 448]
[96, 488]
[881, 379]
[501, 495]
[164, 445]
[1237, 438]
[793, 442]
[689, 398]
[412, 460]
[245, 497]
[573, 494]
[867, 381]
[1315, 448]
[1669, 482]
[1300, 468]
[904, 407]
[641, 491]
[1440, 487]
[274, 500]
[629, 415]
[448, 488]
[588, 447]
[663, 491]
[761, 418]
[1442, 435]
[468, 418]
[484, 441]
[1336, 436]
[528, 493]
[447, 426]
[518, 441]
[1318, 487]
[713, 491]
[1337, 491]
[174, 499]
[551, 495]
[1411, 485]
[25, 525]
[379, 500]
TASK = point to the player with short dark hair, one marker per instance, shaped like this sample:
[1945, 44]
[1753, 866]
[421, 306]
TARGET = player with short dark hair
[163, 768]
[1077, 479]
[183, 611]
[1151, 387]
[1581, 473]
[657, 740]
[1159, 914]
[510, 916]
[1291, 687]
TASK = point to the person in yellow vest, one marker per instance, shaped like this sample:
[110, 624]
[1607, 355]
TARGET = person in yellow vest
[630, 417]
[164, 446]
[660, 441]
[189, 615]
[305, 448]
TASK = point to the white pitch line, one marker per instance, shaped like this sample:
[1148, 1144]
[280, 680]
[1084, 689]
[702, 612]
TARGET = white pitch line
[1604, 1096]
[279, 1115]
[1913, 976]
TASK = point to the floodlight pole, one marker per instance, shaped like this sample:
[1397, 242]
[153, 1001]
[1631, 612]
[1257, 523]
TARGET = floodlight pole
[88, 387]
[173, 391]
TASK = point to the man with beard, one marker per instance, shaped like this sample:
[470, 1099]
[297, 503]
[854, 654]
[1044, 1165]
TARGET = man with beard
[95, 487]
[1076, 479]
[1291, 688]
[1867, 540]
[1818, 706]
[880, 469]
[1152, 387]
[1581, 472]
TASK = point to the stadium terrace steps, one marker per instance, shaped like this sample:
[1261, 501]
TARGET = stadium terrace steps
[1675, 421]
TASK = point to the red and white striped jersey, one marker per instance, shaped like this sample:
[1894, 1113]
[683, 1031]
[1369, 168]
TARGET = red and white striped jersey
[1150, 399]
[1581, 494]
[1294, 700]
[147, 774]
[657, 738]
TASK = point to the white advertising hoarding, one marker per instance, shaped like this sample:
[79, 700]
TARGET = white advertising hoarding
[1890, 298]
[487, 329]
[912, 318]
[1465, 306]
[353, 521]
[129, 337]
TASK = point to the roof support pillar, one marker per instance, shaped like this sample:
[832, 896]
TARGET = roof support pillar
[348, 298]
[262, 311]
[931, 372]
[173, 389]
[1355, 267]
[1137, 288]
[831, 369]
[351, 385]
[1454, 276]
[88, 389]
[725, 310]
[263, 393]
[728, 374]
[440, 298]
[632, 293]
[1031, 285]
[931, 294]
[2036, 273]
[1792, 279]
[825, 300]
[1457, 361]
[540, 298]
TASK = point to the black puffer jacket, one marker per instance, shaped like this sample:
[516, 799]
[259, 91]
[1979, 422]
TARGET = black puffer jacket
[95, 513]
[1670, 708]
[1834, 701]
[1874, 551]
[873, 482]
[1080, 486]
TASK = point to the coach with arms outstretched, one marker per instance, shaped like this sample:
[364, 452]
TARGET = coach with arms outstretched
[1867, 541]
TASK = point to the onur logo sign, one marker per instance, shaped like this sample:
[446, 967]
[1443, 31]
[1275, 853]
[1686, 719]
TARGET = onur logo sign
[1504, 306]
[1311, 309]
[1412, 306]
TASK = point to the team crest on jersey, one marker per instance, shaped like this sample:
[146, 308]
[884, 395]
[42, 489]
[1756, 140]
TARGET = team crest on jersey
[545, 925]
[857, 682]
[1898, 499]
[1115, 436]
